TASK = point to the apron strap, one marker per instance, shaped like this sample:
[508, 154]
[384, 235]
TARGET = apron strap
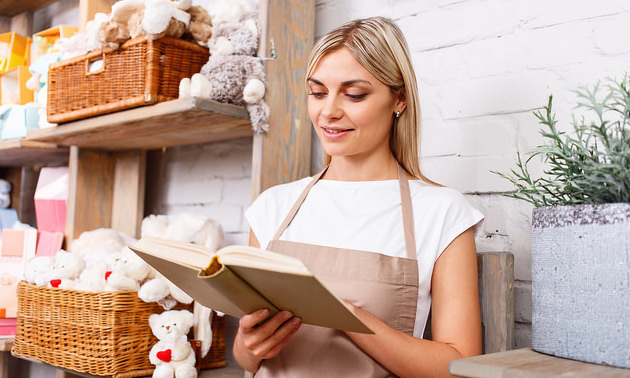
[407, 213]
[407, 210]
[297, 205]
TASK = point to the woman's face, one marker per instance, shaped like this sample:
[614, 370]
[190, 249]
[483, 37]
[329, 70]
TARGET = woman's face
[351, 110]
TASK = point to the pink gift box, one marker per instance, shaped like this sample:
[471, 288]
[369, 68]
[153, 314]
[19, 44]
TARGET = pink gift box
[8, 326]
[51, 196]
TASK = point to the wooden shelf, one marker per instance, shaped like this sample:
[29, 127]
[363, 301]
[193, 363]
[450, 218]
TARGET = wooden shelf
[13, 7]
[20, 152]
[167, 124]
[528, 363]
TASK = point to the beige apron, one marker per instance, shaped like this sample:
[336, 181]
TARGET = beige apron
[383, 285]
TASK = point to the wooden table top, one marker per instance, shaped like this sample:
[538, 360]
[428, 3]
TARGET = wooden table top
[528, 363]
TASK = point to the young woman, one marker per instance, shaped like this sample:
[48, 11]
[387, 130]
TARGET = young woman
[386, 239]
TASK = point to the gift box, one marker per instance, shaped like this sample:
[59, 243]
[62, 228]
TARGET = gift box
[18, 246]
[14, 51]
[17, 120]
[13, 88]
[51, 196]
[8, 326]
[8, 217]
[49, 243]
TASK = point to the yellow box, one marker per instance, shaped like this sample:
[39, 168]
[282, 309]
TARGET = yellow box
[13, 88]
[44, 41]
[13, 51]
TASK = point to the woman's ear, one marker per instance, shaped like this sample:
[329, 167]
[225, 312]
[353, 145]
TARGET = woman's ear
[401, 103]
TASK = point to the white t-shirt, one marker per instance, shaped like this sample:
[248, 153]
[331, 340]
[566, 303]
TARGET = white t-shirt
[367, 216]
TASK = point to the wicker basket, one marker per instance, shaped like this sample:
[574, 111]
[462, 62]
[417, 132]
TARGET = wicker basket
[105, 333]
[140, 72]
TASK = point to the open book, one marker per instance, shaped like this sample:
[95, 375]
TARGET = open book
[239, 280]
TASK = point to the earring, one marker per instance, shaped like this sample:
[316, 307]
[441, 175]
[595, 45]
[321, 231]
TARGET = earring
[397, 114]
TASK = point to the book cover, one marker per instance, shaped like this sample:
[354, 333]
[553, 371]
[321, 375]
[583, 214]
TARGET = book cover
[239, 280]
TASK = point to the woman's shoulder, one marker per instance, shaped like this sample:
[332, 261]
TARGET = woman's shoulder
[439, 196]
[420, 187]
[287, 189]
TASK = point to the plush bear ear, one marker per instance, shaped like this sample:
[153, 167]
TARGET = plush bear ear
[252, 27]
[153, 320]
[188, 318]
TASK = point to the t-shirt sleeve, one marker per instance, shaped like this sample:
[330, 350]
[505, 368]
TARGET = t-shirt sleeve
[460, 215]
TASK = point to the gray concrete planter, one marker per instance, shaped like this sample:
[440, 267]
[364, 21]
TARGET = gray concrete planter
[581, 282]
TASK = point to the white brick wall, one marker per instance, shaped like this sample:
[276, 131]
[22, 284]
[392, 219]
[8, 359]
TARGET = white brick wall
[483, 66]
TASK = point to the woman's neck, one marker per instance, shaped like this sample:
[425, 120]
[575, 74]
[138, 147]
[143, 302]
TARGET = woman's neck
[344, 169]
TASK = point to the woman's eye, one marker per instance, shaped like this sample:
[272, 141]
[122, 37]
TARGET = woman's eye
[318, 95]
[356, 97]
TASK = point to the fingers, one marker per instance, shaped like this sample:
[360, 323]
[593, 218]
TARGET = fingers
[249, 322]
[267, 340]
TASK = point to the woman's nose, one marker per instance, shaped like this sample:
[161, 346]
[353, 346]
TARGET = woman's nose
[331, 107]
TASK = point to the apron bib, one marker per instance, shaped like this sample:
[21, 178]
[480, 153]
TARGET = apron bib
[383, 285]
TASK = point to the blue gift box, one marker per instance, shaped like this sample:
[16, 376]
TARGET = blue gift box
[16, 120]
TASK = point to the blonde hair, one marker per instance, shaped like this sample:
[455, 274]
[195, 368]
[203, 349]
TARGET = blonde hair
[379, 45]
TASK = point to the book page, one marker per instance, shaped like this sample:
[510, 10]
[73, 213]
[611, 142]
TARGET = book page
[247, 256]
[182, 253]
[199, 257]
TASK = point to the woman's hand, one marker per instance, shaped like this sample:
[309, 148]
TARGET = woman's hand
[254, 342]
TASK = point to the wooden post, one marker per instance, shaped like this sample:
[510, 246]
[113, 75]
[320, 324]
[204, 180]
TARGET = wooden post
[90, 194]
[106, 190]
[496, 295]
[284, 153]
[129, 184]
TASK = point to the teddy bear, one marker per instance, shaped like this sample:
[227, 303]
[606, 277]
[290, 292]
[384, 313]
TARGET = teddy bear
[98, 243]
[93, 276]
[200, 26]
[233, 73]
[65, 270]
[127, 272]
[172, 355]
[38, 270]
[158, 19]
[99, 248]
[230, 11]
[5, 193]
[112, 34]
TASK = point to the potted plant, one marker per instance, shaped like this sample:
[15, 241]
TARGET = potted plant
[581, 228]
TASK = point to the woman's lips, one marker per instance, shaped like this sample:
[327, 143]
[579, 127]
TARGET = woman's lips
[334, 133]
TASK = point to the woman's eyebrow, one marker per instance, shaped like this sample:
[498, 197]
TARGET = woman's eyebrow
[355, 81]
[343, 84]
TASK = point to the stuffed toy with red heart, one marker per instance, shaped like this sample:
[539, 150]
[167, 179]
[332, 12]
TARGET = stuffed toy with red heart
[172, 355]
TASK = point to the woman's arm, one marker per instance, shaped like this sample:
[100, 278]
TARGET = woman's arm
[456, 319]
[254, 343]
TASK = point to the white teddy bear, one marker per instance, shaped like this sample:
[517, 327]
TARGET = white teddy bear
[172, 355]
[38, 270]
[127, 272]
[105, 240]
[67, 268]
[5, 193]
